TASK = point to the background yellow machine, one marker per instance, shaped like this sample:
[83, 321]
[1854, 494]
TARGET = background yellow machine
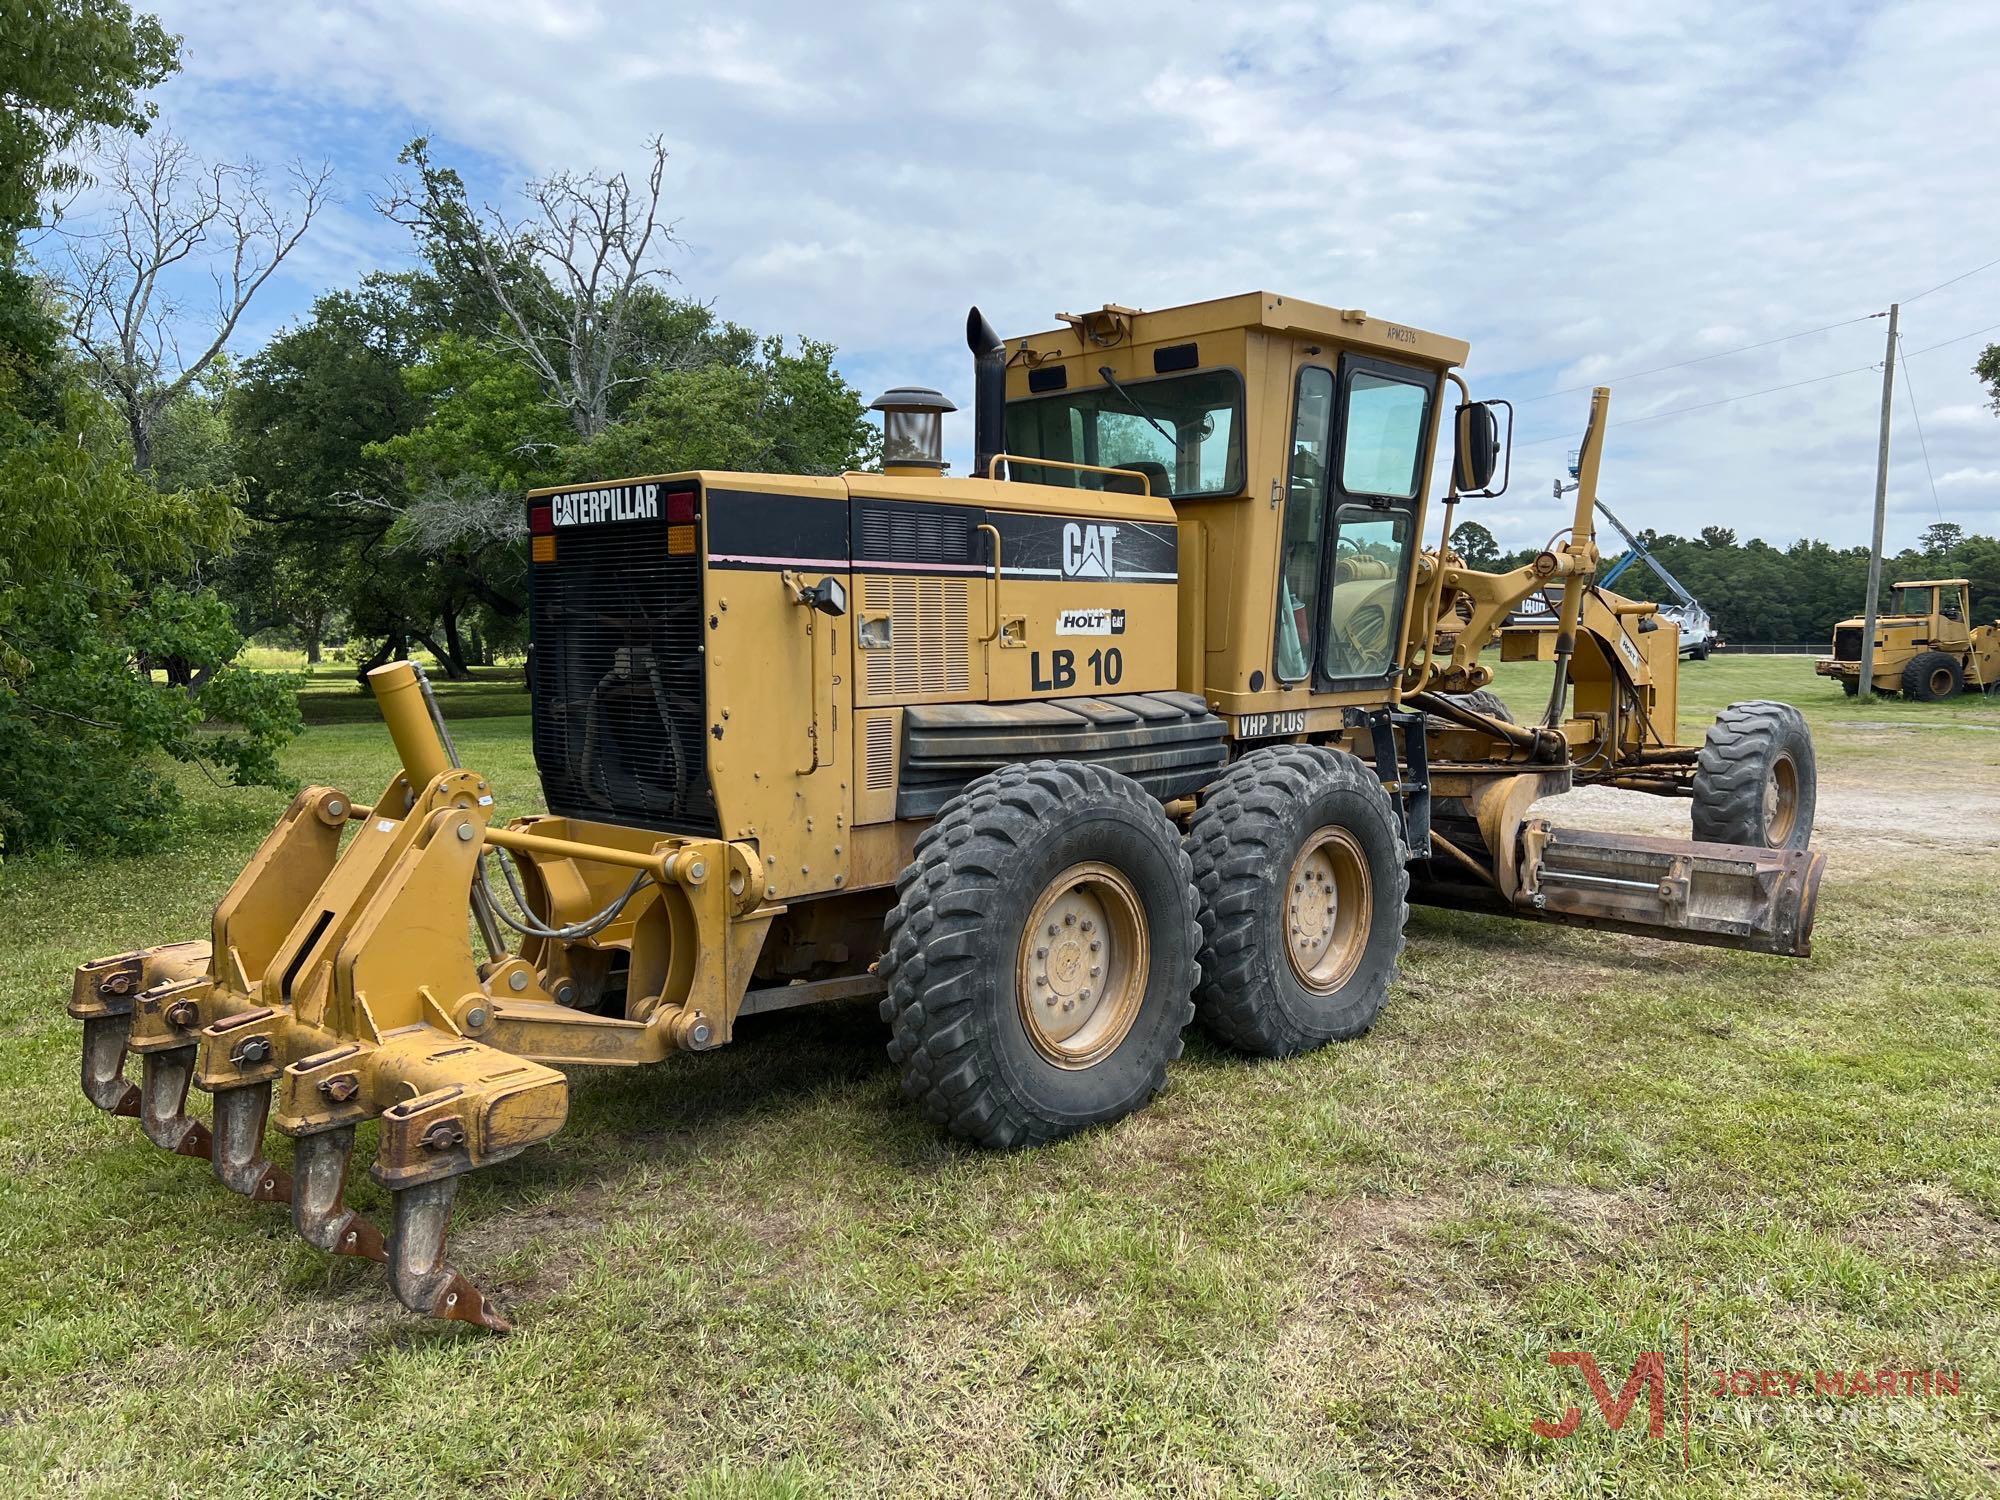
[1164, 712]
[1925, 645]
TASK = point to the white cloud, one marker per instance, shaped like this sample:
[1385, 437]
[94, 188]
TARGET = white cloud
[1581, 191]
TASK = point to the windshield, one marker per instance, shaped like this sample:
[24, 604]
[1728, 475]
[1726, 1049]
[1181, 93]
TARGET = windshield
[1914, 602]
[1192, 444]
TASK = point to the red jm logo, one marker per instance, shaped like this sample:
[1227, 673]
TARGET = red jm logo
[1649, 1374]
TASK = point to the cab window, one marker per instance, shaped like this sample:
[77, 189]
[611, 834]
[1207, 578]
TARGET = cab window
[1184, 432]
[1383, 436]
[1305, 523]
[1364, 610]
[1950, 605]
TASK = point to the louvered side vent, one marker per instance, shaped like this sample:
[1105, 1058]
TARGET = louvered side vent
[880, 754]
[618, 678]
[929, 656]
[903, 532]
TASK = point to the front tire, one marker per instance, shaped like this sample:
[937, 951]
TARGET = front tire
[1755, 781]
[1040, 957]
[1932, 676]
[1299, 860]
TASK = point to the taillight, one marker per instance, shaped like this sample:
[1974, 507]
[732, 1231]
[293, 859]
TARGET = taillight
[541, 519]
[681, 507]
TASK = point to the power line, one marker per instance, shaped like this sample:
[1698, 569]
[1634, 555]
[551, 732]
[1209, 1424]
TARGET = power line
[1773, 390]
[1698, 359]
[1910, 395]
[1959, 340]
[1705, 405]
[1954, 280]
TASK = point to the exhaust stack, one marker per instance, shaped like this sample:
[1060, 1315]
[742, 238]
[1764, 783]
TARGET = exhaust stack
[989, 392]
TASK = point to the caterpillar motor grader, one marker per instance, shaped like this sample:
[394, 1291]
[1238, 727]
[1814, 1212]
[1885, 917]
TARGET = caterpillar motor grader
[1166, 711]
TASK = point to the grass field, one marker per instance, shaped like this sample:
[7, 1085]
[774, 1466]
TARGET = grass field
[756, 1273]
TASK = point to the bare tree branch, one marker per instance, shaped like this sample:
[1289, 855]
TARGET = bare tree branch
[562, 277]
[168, 210]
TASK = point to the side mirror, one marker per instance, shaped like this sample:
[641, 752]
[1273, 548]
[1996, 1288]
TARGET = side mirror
[1477, 450]
[828, 596]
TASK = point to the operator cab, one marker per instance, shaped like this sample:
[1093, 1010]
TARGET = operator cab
[1232, 409]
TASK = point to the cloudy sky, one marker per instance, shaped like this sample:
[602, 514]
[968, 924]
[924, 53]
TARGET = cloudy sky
[1583, 191]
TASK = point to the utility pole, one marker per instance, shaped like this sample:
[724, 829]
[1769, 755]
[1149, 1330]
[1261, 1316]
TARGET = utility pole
[1881, 503]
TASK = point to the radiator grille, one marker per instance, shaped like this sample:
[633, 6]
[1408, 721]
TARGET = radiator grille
[1847, 643]
[930, 654]
[618, 679]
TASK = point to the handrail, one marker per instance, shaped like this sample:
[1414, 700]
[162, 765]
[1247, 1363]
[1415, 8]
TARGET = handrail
[993, 590]
[993, 468]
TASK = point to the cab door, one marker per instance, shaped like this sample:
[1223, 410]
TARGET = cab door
[1381, 419]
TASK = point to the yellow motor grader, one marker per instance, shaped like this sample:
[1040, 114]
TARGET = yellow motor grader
[1164, 713]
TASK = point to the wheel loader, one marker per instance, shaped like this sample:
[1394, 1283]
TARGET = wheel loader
[1925, 649]
[1166, 711]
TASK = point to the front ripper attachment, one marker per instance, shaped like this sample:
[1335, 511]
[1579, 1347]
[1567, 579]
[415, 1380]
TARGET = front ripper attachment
[339, 984]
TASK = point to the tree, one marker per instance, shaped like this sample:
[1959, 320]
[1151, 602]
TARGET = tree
[92, 562]
[168, 212]
[95, 559]
[563, 280]
[70, 70]
[1940, 541]
[1476, 545]
[1987, 368]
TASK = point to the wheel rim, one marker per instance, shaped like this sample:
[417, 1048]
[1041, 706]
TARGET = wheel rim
[1781, 800]
[1081, 971]
[1328, 910]
[1941, 682]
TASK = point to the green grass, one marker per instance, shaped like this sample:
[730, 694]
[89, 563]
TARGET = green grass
[756, 1273]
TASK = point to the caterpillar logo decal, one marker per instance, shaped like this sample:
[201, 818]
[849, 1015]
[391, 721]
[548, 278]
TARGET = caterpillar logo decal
[1044, 546]
[1086, 550]
[624, 502]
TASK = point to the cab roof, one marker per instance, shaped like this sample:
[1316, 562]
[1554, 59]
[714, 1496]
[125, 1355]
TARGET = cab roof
[1267, 311]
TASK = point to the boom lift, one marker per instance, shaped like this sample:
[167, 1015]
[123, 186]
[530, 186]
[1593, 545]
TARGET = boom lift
[1697, 635]
[1166, 711]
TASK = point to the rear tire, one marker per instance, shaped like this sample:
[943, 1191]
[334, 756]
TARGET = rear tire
[1755, 781]
[1299, 860]
[1008, 1041]
[1932, 676]
[1851, 686]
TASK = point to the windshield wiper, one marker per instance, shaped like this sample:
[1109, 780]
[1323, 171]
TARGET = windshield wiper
[1131, 401]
